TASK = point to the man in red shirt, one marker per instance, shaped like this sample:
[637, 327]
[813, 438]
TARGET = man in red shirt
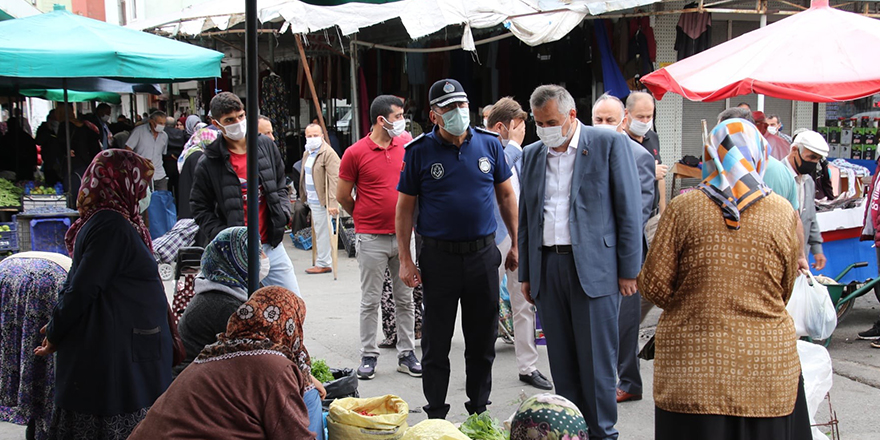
[779, 148]
[371, 167]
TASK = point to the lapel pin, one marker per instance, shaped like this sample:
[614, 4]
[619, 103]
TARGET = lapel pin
[584, 152]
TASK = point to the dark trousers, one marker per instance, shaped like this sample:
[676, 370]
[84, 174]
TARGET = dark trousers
[449, 279]
[581, 334]
[627, 356]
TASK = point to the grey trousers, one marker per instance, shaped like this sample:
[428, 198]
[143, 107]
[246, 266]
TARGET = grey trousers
[374, 254]
[582, 343]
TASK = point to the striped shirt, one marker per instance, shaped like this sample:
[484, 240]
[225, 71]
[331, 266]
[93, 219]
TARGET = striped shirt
[311, 192]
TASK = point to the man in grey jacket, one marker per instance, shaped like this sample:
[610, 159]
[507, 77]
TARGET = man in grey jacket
[806, 151]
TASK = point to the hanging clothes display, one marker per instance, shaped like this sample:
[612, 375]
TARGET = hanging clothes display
[642, 52]
[693, 33]
[613, 79]
[273, 104]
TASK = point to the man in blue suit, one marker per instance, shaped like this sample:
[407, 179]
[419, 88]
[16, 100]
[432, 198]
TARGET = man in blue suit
[580, 249]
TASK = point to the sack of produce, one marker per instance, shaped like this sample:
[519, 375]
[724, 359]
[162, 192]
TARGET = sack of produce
[375, 418]
[434, 429]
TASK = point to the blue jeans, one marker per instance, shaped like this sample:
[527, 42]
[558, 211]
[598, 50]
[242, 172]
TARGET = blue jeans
[312, 400]
[281, 272]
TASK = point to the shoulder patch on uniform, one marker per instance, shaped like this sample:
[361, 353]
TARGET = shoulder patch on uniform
[485, 131]
[417, 138]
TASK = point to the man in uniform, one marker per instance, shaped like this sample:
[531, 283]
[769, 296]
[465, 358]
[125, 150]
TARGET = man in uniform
[453, 173]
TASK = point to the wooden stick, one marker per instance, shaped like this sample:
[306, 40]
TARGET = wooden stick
[308, 71]
[314, 239]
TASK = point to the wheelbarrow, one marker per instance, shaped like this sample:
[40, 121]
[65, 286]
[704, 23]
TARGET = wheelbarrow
[844, 295]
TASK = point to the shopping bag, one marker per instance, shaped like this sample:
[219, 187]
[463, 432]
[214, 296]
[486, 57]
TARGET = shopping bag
[811, 308]
[818, 378]
[162, 213]
[376, 418]
[434, 429]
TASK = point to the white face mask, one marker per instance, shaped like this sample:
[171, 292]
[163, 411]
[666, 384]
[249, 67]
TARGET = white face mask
[772, 130]
[236, 131]
[105, 118]
[608, 127]
[639, 128]
[159, 128]
[486, 123]
[313, 143]
[144, 203]
[552, 137]
[397, 127]
[264, 266]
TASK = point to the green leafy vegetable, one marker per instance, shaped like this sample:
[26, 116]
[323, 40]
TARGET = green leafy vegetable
[482, 427]
[321, 371]
[9, 194]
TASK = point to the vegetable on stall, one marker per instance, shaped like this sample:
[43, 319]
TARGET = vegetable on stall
[482, 427]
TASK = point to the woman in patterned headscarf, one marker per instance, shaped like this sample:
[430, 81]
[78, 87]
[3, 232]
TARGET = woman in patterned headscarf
[722, 266]
[201, 136]
[548, 417]
[220, 289]
[110, 325]
[247, 385]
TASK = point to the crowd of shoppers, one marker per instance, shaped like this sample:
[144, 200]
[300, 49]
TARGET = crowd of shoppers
[568, 220]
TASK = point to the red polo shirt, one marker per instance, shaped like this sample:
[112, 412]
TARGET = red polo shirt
[375, 172]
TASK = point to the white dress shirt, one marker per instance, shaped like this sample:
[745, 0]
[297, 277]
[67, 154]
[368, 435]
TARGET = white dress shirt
[557, 192]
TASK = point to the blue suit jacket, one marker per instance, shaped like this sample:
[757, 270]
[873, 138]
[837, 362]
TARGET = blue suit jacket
[605, 214]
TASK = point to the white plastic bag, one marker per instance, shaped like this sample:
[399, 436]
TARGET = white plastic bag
[811, 308]
[818, 376]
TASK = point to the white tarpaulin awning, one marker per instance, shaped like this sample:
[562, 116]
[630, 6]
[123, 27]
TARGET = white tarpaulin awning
[18, 9]
[532, 21]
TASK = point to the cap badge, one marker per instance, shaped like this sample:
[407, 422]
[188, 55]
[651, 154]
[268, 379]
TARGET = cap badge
[448, 88]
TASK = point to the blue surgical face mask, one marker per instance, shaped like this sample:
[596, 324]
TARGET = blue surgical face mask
[456, 121]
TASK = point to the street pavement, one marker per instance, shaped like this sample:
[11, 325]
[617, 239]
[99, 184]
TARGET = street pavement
[332, 333]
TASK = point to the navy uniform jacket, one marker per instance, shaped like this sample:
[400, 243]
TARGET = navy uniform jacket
[455, 186]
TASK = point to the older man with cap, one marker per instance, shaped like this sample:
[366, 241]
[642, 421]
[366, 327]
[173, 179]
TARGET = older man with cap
[806, 151]
[453, 173]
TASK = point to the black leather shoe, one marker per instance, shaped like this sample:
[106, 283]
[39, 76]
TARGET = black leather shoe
[537, 380]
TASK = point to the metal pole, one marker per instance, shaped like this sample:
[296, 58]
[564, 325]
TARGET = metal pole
[252, 109]
[67, 140]
[761, 97]
[355, 122]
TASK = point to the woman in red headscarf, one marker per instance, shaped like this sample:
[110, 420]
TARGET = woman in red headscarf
[110, 325]
[247, 385]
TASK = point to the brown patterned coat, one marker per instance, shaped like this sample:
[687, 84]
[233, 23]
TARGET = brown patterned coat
[725, 344]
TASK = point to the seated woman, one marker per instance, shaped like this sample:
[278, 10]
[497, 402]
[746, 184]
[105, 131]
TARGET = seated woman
[548, 417]
[29, 284]
[247, 385]
[220, 290]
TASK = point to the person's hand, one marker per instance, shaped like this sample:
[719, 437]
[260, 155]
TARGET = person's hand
[526, 288]
[512, 260]
[410, 274]
[320, 387]
[517, 131]
[660, 170]
[820, 261]
[46, 348]
[803, 265]
[333, 211]
[627, 286]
